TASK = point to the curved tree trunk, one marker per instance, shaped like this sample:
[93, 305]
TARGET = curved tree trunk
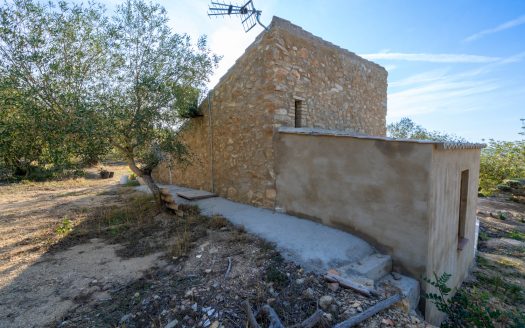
[148, 179]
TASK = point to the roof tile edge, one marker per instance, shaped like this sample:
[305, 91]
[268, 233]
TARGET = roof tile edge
[339, 133]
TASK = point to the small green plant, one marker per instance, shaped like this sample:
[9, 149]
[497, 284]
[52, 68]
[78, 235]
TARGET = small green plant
[465, 309]
[483, 236]
[132, 183]
[440, 300]
[503, 216]
[64, 227]
[133, 177]
[514, 234]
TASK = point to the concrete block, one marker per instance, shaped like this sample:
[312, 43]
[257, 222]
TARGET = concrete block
[409, 287]
[373, 267]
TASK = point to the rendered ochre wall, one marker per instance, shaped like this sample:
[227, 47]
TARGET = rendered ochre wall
[376, 189]
[444, 256]
[402, 196]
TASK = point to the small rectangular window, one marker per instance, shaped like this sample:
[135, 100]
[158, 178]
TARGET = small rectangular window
[463, 198]
[298, 113]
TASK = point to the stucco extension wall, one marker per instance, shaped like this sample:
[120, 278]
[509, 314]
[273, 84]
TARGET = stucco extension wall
[241, 130]
[377, 189]
[443, 255]
[402, 196]
[234, 156]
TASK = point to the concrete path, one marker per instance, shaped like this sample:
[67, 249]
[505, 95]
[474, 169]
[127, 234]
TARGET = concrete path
[312, 245]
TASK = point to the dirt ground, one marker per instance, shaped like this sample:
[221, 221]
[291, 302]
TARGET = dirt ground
[500, 267]
[91, 253]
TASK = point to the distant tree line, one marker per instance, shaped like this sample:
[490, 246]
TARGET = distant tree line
[500, 160]
[76, 82]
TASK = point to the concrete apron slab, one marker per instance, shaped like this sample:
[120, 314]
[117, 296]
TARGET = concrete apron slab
[314, 246]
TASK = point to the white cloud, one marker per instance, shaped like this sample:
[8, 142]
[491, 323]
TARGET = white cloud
[390, 67]
[442, 91]
[425, 77]
[450, 93]
[432, 58]
[226, 36]
[502, 27]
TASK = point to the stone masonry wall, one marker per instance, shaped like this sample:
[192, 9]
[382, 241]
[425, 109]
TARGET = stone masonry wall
[241, 114]
[195, 134]
[338, 90]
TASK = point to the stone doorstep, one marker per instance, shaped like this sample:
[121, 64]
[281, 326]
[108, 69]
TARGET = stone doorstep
[376, 269]
[409, 287]
[373, 267]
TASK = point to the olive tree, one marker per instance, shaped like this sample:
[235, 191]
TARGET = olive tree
[156, 76]
[53, 58]
[405, 128]
[89, 82]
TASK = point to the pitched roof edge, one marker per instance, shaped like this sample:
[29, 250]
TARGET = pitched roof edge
[278, 22]
[283, 24]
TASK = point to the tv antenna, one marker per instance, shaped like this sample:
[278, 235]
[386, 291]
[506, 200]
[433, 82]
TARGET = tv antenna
[249, 15]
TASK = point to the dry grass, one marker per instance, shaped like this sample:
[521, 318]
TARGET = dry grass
[500, 270]
[32, 212]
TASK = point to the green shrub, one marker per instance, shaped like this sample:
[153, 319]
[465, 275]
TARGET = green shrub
[470, 307]
[517, 235]
[64, 227]
[132, 183]
[504, 188]
[462, 310]
[503, 216]
[500, 163]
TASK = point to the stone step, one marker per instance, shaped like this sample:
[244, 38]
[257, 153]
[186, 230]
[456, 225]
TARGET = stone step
[409, 287]
[374, 267]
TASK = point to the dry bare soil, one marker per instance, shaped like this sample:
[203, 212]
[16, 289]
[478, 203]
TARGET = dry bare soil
[90, 253]
[500, 270]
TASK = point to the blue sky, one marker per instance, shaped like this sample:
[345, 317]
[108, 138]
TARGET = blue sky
[454, 66]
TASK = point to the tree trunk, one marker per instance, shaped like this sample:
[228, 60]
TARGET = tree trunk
[155, 190]
[148, 179]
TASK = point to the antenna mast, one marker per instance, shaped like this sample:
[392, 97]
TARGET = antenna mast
[249, 15]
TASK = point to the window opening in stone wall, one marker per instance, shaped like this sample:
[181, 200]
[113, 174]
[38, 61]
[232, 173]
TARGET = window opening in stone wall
[298, 113]
[463, 197]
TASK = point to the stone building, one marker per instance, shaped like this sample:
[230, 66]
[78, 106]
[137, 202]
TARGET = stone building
[287, 77]
[298, 125]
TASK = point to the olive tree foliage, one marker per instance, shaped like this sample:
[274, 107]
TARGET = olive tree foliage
[52, 58]
[405, 128]
[84, 82]
[502, 160]
[156, 79]
[499, 161]
[20, 143]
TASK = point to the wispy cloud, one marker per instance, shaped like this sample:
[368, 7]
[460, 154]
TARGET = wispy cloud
[448, 93]
[442, 90]
[431, 58]
[502, 27]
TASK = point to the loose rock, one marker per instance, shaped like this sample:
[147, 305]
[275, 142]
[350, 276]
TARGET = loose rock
[325, 301]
